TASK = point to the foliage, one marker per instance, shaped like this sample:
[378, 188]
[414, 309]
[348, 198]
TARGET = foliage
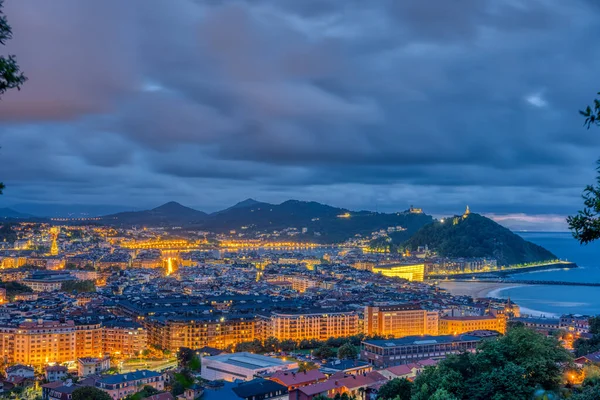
[89, 393]
[147, 391]
[587, 393]
[306, 366]
[592, 114]
[586, 346]
[324, 352]
[182, 381]
[7, 233]
[256, 346]
[478, 236]
[585, 226]
[15, 288]
[512, 367]
[75, 267]
[185, 355]
[343, 396]
[347, 351]
[10, 75]
[395, 389]
[78, 286]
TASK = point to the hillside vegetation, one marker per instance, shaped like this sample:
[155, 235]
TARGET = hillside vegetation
[478, 236]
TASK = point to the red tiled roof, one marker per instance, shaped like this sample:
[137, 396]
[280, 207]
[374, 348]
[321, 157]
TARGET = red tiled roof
[298, 378]
[321, 387]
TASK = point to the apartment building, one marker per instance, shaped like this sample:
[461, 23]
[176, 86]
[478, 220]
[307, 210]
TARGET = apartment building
[399, 321]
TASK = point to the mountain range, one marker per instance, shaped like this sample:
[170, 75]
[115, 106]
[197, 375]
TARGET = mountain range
[471, 236]
[319, 221]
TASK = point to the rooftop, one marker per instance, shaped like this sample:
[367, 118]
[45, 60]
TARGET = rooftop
[248, 360]
[420, 340]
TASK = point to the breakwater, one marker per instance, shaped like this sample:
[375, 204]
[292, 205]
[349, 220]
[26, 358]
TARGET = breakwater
[506, 271]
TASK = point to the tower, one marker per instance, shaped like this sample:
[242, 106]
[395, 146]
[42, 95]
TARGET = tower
[467, 212]
[54, 231]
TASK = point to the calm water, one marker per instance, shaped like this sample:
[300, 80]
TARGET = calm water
[561, 299]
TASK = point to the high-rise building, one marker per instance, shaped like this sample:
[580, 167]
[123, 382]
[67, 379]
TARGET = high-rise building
[399, 321]
[196, 332]
[124, 338]
[319, 325]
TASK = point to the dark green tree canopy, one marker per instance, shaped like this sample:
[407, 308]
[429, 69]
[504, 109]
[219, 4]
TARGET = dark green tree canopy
[89, 393]
[510, 368]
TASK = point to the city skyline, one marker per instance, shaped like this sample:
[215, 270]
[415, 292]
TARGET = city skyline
[369, 106]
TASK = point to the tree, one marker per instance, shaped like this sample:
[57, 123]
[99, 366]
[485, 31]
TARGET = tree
[147, 391]
[587, 393]
[396, 388]
[185, 356]
[586, 224]
[594, 325]
[89, 393]
[10, 75]
[324, 352]
[347, 351]
[271, 344]
[306, 366]
[511, 367]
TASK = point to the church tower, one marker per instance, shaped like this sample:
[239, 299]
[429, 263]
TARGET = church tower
[54, 231]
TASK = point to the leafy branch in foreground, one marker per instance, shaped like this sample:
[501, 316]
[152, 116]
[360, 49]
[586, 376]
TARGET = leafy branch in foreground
[586, 224]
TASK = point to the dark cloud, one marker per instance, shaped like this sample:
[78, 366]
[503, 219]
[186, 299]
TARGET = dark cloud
[375, 104]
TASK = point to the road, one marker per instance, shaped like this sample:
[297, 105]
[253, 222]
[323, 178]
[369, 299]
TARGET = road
[149, 364]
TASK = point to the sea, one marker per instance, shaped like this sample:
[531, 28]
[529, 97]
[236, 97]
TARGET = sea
[552, 300]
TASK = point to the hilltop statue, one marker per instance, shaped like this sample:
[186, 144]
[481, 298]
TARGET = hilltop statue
[467, 212]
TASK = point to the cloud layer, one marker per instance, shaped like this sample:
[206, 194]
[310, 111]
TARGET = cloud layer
[376, 104]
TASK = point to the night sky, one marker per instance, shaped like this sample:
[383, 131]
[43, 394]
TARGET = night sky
[373, 104]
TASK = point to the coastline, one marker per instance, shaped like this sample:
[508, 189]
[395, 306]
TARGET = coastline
[490, 289]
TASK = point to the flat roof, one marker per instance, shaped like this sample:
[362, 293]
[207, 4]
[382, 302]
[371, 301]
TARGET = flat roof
[422, 340]
[249, 360]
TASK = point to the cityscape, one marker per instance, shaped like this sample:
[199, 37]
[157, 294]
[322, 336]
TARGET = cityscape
[299, 200]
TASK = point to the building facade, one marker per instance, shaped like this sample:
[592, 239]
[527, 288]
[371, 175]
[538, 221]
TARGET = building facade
[318, 325]
[459, 325]
[390, 352]
[399, 321]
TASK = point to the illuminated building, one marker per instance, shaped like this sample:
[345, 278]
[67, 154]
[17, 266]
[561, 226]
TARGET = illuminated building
[54, 232]
[47, 282]
[311, 325]
[415, 210]
[196, 332]
[244, 366]
[458, 325]
[119, 386]
[299, 283]
[92, 365]
[364, 265]
[41, 342]
[124, 338]
[399, 321]
[88, 340]
[390, 352]
[3, 298]
[411, 272]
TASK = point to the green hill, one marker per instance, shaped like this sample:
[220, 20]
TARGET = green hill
[478, 236]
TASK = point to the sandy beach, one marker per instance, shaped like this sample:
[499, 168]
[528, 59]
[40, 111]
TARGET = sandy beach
[476, 289]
